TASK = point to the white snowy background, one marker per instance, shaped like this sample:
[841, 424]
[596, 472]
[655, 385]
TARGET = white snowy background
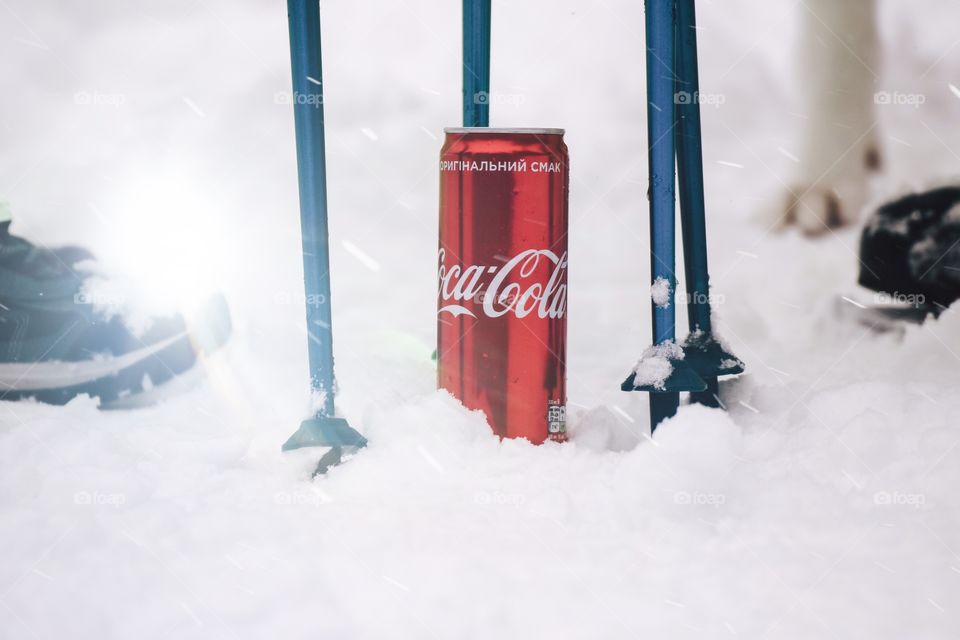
[822, 504]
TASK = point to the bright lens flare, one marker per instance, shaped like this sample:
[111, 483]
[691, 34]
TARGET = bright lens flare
[164, 237]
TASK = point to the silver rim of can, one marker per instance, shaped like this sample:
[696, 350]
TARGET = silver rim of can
[534, 131]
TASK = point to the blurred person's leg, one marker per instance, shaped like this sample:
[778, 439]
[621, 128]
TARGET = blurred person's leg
[839, 73]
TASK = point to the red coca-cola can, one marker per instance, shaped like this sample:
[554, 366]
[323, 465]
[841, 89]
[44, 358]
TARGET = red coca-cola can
[502, 277]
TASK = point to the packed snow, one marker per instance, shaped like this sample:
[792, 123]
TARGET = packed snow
[660, 292]
[822, 503]
[656, 364]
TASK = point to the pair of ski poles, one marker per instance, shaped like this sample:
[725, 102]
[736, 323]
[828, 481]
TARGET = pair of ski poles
[674, 135]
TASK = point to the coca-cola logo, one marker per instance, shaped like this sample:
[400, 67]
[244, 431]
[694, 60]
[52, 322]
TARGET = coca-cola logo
[513, 287]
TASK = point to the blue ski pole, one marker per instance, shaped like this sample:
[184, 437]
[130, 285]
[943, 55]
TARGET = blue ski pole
[690, 169]
[323, 429]
[660, 151]
[476, 69]
[476, 63]
[703, 352]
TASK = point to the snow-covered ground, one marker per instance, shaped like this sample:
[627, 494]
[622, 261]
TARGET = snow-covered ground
[822, 504]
